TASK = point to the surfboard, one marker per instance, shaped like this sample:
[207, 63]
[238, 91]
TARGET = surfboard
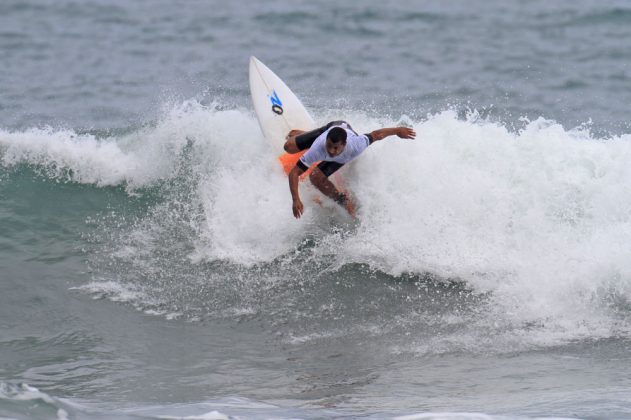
[278, 110]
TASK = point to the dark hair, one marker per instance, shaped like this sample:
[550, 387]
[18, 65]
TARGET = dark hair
[337, 135]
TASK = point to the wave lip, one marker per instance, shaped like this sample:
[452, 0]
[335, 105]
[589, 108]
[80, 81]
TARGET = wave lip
[136, 160]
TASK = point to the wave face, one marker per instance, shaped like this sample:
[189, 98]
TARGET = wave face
[496, 238]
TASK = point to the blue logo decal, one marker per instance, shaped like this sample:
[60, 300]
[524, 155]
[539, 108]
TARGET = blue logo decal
[275, 99]
[277, 105]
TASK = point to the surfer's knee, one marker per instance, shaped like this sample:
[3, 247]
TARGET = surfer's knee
[316, 177]
[290, 145]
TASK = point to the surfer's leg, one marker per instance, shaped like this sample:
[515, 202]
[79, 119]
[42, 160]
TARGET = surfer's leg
[290, 141]
[322, 183]
[329, 168]
[319, 177]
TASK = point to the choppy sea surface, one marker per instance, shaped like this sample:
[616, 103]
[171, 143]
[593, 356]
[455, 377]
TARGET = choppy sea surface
[150, 266]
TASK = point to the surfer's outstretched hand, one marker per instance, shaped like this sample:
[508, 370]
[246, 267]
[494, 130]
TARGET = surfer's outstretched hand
[406, 133]
[298, 208]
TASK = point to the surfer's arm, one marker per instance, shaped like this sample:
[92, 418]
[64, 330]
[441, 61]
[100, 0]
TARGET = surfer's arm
[403, 132]
[294, 178]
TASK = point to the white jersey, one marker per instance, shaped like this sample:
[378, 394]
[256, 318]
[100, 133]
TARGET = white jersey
[355, 145]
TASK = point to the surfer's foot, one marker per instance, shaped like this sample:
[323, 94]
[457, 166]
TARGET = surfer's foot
[350, 208]
[345, 201]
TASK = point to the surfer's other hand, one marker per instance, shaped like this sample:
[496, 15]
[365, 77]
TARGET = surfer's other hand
[406, 133]
[298, 208]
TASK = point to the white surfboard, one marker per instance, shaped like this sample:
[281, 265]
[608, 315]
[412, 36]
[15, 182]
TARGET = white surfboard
[279, 111]
[277, 108]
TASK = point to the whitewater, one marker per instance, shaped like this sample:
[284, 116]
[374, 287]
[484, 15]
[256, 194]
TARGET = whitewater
[536, 219]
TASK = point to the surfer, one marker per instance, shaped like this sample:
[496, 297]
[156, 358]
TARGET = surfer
[332, 145]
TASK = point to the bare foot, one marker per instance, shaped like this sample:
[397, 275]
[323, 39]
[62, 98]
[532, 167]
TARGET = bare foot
[350, 207]
[348, 204]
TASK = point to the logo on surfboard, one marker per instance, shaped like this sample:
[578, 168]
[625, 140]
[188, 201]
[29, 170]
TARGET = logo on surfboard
[277, 105]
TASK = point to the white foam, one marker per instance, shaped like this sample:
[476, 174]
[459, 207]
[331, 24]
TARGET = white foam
[211, 415]
[65, 155]
[446, 416]
[245, 196]
[23, 392]
[112, 290]
[136, 160]
[539, 217]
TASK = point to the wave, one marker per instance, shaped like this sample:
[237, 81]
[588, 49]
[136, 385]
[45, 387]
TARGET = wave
[136, 160]
[534, 220]
[22, 401]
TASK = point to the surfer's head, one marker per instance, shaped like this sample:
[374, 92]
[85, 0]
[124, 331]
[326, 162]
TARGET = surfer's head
[335, 141]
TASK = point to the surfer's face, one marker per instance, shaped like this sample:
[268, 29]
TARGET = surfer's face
[334, 149]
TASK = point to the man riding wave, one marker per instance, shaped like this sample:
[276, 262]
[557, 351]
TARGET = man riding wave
[333, 145]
